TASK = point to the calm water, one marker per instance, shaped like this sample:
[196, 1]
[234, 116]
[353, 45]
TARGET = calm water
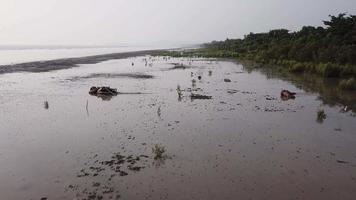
[244, 143]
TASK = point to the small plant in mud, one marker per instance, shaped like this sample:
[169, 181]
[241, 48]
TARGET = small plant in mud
[179, 92]
[194, 83]
[321, 116]
[158, 151]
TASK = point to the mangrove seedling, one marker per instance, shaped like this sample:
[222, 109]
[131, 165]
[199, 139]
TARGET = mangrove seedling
[321, 116]
[158, 151]
[194, 83]
[179, 92]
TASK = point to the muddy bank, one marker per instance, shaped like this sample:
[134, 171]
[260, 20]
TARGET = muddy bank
[112, 75]
[50, 65]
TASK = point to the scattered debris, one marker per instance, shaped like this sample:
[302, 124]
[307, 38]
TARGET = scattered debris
[232, 91]
[179, 66]
[226, 80]
[112, 75]
[270, 98]
[199, 77]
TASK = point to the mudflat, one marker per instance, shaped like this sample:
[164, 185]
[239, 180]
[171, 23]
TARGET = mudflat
[179, 128]
[65, 63]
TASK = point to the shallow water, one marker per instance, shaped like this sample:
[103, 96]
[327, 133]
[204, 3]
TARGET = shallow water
[244, 143]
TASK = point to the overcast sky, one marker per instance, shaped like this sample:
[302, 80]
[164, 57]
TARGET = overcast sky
[145, 22]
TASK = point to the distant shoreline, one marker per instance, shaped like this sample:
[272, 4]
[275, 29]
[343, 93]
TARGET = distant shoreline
[66, 63]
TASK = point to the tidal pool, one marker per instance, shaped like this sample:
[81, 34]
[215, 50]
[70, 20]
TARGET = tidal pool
[59, 142]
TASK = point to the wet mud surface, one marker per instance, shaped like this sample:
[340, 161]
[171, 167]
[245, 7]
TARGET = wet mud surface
[224, 130]
[65, 63]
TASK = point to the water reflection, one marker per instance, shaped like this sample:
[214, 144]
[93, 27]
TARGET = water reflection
[327, 88]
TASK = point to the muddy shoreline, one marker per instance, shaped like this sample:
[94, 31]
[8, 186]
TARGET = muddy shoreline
[65, 63]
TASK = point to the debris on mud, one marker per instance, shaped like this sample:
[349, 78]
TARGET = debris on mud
[199, 96]
[118, 166]
[270, 98]
[232, 91]
[179, 66]
[342, 162]
[112, 75]
[193, 90]
[226, 80]
[103, 91]
[106, 93]
[286, 95]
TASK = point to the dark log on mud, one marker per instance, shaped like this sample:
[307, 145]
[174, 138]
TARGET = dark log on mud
[199, 96]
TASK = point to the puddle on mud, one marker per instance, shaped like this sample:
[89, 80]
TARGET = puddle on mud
[244, 142]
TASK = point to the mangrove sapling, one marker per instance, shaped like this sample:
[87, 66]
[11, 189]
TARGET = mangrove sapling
[158, 151]
[321, 116]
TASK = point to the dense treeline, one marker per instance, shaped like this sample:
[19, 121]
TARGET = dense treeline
[329, 50]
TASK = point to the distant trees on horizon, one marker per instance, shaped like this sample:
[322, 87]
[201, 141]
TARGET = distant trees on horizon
[335, 43]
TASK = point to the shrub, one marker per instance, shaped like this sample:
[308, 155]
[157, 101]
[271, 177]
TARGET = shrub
[297, 68]
[348, 70]
[348, 84]
[331, 70]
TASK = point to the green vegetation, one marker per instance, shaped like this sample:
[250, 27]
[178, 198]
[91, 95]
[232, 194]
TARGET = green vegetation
[348, 84]
[321, 116]
[328, 51]
[158, 151]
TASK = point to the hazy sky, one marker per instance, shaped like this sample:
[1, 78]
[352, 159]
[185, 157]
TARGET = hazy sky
[137, 22]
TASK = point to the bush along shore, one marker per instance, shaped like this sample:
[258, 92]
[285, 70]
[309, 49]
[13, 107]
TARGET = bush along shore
[328, 51]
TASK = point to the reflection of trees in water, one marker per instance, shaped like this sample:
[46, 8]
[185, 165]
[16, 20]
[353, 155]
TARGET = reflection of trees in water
[327, 88]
